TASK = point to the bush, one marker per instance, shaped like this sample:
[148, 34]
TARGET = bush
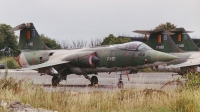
[147, 70]
[11, 83]
[10, 62]
[192, 80]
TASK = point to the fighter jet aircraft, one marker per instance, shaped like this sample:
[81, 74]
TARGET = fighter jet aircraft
[183, 40]
[160, 40]
[130, 56]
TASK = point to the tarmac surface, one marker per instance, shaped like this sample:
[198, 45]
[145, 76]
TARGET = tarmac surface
[107, 82]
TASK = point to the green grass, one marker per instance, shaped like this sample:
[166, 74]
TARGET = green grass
[185, 99]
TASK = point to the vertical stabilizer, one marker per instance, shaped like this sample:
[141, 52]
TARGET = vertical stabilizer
[183, 40]
[29, 38]
[160, 40]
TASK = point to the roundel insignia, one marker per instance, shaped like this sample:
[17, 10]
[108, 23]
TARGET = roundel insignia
[185, 37]
[165, 37]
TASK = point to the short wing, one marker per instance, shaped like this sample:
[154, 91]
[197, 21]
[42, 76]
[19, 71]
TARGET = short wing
[46, 64]
[186, 64]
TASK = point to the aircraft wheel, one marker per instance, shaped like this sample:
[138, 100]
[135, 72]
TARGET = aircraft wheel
[94, 80]
[120, 84]
[55, 81]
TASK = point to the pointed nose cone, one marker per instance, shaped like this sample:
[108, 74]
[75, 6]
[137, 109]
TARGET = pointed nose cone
[157, 56]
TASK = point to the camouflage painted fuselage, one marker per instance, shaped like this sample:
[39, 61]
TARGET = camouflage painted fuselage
[107, 59]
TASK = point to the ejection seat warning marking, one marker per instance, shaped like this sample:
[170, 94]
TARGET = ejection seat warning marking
[111, 58]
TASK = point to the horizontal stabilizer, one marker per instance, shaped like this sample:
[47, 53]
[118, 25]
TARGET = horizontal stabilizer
[179, 30]
[145, 32]
[46, 64]
[149, 32]
[21, 26]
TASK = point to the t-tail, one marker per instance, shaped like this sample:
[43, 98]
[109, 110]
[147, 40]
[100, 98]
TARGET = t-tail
[160, 40]
[183, 40]
[29, 38]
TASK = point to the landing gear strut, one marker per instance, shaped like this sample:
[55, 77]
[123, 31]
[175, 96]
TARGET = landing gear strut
[55, 81]
[120, 84]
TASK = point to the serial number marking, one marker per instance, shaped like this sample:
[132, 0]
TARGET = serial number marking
[111, 58]
[30, 44]
[160, 47]
[180, 45]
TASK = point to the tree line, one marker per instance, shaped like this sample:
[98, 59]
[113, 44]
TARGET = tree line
[65, 44]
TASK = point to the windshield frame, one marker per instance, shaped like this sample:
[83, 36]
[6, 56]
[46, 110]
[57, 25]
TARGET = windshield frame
[134, 46]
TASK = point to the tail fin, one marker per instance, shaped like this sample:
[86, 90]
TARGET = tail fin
[160, 40]
[183, 40]
[29, 38]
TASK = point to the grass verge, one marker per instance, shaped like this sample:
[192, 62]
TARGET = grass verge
[184, 99]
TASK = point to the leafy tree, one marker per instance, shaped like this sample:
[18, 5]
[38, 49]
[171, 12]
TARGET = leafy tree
[8, 40]
[111, 39]
[122, 40]
[51, 43]
[166, 26]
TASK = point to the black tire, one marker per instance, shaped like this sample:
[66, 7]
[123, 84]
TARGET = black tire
[55, 81]
[94, 80]
[120, 84]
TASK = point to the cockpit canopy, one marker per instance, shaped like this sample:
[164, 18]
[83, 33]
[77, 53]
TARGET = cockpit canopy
[135, 46]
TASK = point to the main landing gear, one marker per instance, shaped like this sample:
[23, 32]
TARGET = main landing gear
[55, 81]
[93, 80]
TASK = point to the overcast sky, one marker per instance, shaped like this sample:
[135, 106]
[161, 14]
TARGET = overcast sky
[87, 19]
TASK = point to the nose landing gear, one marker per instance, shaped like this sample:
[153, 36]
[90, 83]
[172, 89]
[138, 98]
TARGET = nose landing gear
[120, 83]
